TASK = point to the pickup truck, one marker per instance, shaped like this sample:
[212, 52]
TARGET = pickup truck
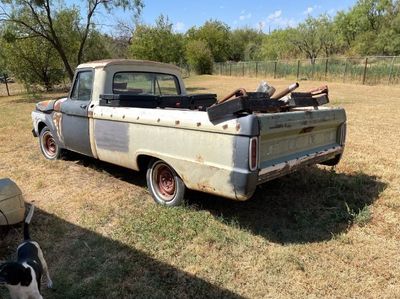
[179, 147]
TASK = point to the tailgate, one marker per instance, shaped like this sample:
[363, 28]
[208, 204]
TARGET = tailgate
[289, 140]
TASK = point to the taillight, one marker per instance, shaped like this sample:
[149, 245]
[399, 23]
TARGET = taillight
[253, 153]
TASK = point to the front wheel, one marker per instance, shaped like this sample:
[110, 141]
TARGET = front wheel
[48, 145]
[164, 184]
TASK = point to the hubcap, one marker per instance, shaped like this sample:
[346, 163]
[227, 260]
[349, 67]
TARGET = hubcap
[164, 182]
[49, 144]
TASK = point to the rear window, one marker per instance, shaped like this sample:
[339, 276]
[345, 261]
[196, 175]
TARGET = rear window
[145, 83]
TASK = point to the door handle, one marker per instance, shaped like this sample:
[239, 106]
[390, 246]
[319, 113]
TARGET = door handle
[83, 106]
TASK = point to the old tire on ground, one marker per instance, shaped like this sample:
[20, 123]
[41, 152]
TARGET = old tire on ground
[164, 184]
[48, 145]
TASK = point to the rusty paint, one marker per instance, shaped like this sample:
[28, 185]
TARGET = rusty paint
[205, 188]
[237, 127]
[158, 120]
[43, 105]
[199, 159]
[57, 120]
[57, 104]
[198, 124]
[281, 169]
[225, 127]
[177, 122]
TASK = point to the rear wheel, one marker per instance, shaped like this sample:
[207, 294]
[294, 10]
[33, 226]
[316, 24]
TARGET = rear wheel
[164, 184]
[48, 145]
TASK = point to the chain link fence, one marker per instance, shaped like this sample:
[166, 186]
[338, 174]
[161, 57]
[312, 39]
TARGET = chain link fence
[368, 70]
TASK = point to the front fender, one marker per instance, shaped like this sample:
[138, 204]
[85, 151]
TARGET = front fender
[51, 120]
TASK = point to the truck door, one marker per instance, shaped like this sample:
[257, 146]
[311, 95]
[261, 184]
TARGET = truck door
[75, 121]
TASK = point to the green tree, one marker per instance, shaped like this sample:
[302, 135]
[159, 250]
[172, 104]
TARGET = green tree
[37, 18]
[33, 62]
[216, 35]
[246, 44]
[279, 45]
[308, 38]
[199, 57]
[158, 43]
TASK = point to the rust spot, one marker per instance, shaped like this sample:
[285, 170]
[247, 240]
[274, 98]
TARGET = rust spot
[90, 113]
[123, 116]
[199, 159]
[237, 127]
[57, 104]
[158, 120]
[177, 122]
[198, 124]
[225, 127]
[137, 118]
[57, 120]
[205, 188]
[111, 115]
[306, 130]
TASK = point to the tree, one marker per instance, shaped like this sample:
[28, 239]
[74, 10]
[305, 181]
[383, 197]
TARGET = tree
[279, 45]
[216, 35]
[246, 44]
[158, 43]
[199, 57]
[37, 18]
[33, 62]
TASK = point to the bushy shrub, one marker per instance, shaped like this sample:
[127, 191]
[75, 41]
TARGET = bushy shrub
[199, 57]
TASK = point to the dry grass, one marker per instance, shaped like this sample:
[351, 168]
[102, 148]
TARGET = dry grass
[316, 233]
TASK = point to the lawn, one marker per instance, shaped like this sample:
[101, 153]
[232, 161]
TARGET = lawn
[320, 232]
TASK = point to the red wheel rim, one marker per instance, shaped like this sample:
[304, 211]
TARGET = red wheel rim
[164, 180]
[49, 144]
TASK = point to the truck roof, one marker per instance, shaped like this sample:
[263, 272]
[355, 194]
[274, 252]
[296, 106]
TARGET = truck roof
[107, 62]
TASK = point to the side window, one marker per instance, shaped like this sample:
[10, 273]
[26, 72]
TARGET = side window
[83, 84]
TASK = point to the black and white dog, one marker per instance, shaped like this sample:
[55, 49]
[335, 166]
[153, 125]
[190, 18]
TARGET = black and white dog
[23, 277]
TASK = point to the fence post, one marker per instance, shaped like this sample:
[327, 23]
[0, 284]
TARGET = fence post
[365, 70]
[345, 71]
[275, 63]
[5, 81]
[391, 70]
[230, 69]
[256, 68]
[242, 69]
[220, 68]
[298, 69]
[326, 68]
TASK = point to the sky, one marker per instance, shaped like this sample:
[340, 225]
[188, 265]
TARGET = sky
[267, 15]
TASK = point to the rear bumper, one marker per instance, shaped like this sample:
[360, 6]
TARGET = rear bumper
[281, 169]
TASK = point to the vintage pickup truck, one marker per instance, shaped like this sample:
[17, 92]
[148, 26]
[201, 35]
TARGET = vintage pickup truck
[180, 147]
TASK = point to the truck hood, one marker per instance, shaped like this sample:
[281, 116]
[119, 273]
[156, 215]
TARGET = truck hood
[50, 105]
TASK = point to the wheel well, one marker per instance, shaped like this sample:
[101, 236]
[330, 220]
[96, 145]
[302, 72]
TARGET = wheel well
[41, 125]
[143, 161]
